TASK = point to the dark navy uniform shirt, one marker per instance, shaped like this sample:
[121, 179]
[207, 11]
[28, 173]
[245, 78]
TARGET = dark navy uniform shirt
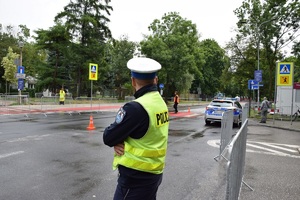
[132, 121]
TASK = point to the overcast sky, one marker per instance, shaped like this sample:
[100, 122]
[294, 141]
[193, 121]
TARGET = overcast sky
[214, 18]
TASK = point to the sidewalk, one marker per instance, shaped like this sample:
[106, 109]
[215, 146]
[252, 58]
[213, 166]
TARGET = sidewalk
[280, 124]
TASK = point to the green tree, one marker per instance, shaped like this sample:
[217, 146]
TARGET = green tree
[269, 26]
[215, 63]
[86, 21]
[7, 40]
[173, 43]
[52, 71]
[10, 69]
[296, 52]
[122, 51]
[11, 36]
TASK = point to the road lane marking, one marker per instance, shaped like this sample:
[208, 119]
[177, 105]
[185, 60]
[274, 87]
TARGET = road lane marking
[276, 146]
[29, 138]
[11, 154]
[263, 148]
[267, 151]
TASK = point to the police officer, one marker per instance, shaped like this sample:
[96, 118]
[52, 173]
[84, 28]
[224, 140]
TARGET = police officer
[139, 135]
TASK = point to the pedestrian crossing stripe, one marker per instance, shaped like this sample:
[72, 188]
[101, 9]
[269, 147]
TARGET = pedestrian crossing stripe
[285, 69]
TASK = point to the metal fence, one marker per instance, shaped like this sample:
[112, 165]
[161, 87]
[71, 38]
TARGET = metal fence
[11, 104]
[226, 132]
[235, 169]
[245, 112]
[14, 104]
[235, 149]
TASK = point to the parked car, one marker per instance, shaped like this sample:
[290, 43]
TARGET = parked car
[214, 111]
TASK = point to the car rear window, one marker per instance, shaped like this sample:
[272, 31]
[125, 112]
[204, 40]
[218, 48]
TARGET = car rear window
[221, 103]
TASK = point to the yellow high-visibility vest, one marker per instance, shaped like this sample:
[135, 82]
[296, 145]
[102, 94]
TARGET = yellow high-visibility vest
[148, 153]
[62, 95]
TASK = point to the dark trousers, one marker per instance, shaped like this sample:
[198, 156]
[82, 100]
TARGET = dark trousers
[264, 113]
[137, 193]
[175, 107]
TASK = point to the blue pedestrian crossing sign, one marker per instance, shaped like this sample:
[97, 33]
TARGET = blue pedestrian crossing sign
[93, 71]
[285, 69]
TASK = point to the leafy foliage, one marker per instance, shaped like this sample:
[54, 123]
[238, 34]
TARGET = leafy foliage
[268, 26]
[213, 67]
[86, 22]
[172, 43]
[9, 66]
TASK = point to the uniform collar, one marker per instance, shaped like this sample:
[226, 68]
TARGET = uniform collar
[145, 89]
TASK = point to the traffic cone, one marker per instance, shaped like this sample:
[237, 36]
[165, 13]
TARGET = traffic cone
[91, 125]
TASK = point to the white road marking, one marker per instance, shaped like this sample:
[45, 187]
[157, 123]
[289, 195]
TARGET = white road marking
[267, 151]
[28, 138]
[214, 143]
[11, 154]
[276, 146]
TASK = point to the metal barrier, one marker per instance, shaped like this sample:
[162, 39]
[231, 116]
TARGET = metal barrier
[235, 170]
[226, 132]
[245, 112]
[12, 104]
[88, 103]
[9, 105]
[50, 104]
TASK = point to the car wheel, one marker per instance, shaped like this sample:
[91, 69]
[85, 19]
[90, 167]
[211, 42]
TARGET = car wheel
[207, 122]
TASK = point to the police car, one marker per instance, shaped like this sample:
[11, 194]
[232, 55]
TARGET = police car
[214, 111]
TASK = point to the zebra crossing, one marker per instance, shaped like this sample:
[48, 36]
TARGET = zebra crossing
[267, 148]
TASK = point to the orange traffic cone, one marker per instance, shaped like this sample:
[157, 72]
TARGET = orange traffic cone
[91, 125]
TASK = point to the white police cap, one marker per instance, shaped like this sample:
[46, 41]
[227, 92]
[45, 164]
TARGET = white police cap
[143, 68]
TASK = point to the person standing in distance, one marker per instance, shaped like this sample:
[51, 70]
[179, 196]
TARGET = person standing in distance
[264, 110]
[139, 135]
[62, 96]
[176, 101]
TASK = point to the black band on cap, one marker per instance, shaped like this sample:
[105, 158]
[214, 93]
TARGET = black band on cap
[143, 76]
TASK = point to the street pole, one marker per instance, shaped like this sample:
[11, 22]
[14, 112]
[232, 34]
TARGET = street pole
[258, 44]
[21, 44]
[258, 69]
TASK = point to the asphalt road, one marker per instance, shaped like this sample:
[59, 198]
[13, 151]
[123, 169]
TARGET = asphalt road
[55, 157]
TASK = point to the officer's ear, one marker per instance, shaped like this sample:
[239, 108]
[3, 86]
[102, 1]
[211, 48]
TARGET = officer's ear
[155, 80]
[133, 82]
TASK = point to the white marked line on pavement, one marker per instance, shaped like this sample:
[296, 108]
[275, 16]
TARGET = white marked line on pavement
[264, 150]
[29, 138]
[276, 146]
[214, 143]
[10, 154]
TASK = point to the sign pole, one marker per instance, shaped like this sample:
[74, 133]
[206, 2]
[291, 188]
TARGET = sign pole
[93, 75]
[20, 91]
[91, 94]
[292, 72]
